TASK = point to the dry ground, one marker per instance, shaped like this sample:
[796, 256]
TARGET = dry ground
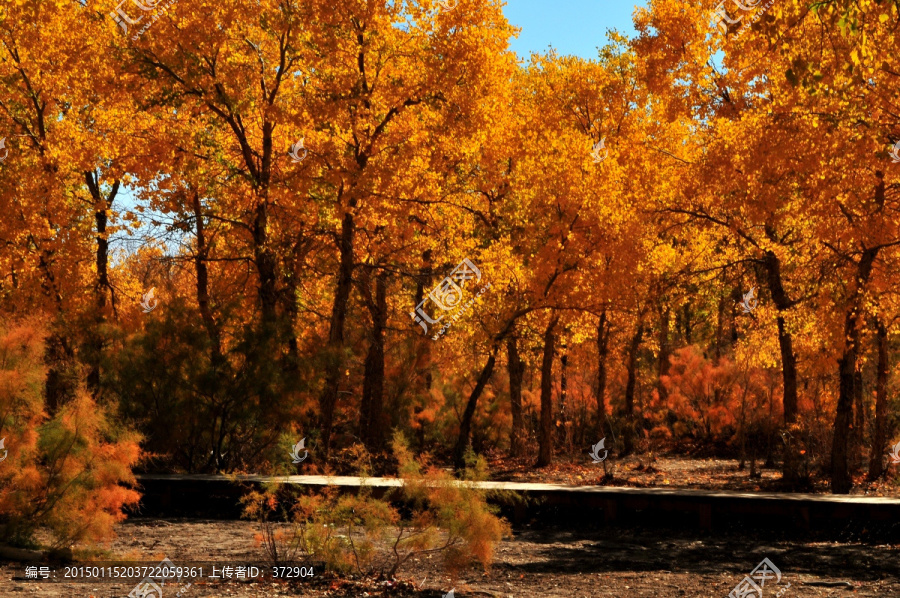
[607, 562]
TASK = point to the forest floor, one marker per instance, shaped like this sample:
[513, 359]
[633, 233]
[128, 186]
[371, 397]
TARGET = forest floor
[641, 471]
[607, 561]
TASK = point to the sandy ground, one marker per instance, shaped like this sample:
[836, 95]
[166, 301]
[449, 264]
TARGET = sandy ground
[608, 562]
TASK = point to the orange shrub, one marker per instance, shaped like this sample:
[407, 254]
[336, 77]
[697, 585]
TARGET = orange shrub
[63, 473]
[442, 515]
[699, 391]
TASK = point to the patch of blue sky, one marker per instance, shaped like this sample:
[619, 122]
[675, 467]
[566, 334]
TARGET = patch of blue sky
[571, 27]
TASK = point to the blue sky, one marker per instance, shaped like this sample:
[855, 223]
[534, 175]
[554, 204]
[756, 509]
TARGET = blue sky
[571, 26]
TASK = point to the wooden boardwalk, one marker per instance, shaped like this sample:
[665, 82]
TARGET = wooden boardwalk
[218, 495]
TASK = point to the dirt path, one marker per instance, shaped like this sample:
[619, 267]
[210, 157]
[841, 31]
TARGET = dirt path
[607, 562]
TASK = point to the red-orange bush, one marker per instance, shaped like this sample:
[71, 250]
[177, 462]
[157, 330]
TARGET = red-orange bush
[63, 473]
[700, 391]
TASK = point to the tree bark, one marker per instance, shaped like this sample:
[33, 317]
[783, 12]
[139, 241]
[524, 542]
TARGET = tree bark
[790, 472]
[603, 330]
[688, 326]
[563, 428]
[628, 436]
[301, 248]
[516, 369]
[102, 205]
[545, 450]
[841, 481]
[372, 406]
[423, 281]
[880, 435]
[858, 428]
[266, 267]
[421, 348]
[334, 349]
[203, 301]
[720, 326]
[664, 352]
[465, 427]
[785, 340]
[62, 371]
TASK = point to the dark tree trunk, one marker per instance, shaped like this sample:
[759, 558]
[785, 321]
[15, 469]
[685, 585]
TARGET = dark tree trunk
[841, 480]
[102, 206]
[562, 432]
[334, 350]
[602, 354]
[516, 369]
[785, 341]
[720, 326]
[372, 407]
[422, 351]
[545, 450]
[62, 372]
[879, 436]
[203, 301]
[790, 473]
[423, 359]
[630, 431]
[216, 460]
[664, 352]
[788, 372]
[465, 427]
[858, 428]
[266, 267]
[291, 311]
[688, 325]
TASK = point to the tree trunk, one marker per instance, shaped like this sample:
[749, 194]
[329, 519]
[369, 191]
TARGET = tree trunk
[879, 436]
[203, 302]
[266, 267]
[421, 349]
[334, 349]
[790, 472]
[63, 376]
[516, 369]
[563, 428]
[720, 326]
[788, 372]
[545, 451]
[841, 480]
[858, 428]
[688, 325]
[465, 427]
[291, 367]
[785, 341]
[423, 281]
[372, 407]
[102, 206]
[664, 352]
[630, 431]
[602, 354]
